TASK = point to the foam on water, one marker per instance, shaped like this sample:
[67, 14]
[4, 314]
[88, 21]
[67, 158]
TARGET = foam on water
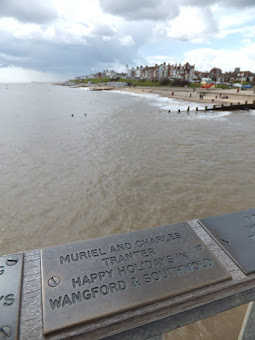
[142, 95]
[84, 88]
[174, 105]
[252, 112]
[219, 115]
[162, 102]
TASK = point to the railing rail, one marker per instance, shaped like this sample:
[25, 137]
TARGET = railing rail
[146, 321]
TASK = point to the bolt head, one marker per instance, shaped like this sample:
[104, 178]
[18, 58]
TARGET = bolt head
[12, 260]
[54, 281]
[6, 330]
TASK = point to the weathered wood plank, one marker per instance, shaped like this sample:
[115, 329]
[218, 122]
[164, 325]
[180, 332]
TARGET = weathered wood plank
[146, 321]
[31, 306]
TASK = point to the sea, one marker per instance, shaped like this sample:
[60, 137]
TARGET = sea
[77, 164]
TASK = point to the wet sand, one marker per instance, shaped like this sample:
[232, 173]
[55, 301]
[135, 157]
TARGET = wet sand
[215, 96]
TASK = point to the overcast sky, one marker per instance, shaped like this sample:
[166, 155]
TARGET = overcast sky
[47, 40]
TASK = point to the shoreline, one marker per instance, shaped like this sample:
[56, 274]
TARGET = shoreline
[187, 94]
[214, 96]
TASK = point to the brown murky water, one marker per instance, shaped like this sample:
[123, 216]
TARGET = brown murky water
[128, 164]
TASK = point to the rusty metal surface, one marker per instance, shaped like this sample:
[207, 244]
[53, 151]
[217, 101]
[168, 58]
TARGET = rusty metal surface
[235, 233]
[100, 277]
[11, 267]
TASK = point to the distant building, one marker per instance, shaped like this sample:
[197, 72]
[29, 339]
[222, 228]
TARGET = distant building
[244, 76]
[110, 74]
[164, 71]
[215, 73]
[138, 72]
[185, 72]
[232, 77]
[91, 76]
[206, 80]
[148, 72]
[173, 72]
[182, 72]
[130, 72]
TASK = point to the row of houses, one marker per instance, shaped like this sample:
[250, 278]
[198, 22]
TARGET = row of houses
[182, 72]
[105, 74]
[185, 72]
[217, 75]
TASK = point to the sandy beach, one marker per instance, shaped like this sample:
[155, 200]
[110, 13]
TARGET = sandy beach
[215, 96]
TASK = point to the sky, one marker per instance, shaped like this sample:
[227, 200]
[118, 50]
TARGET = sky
[55, 40]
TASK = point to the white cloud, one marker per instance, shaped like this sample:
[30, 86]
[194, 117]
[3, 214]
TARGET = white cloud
[76, 35]
[234, 18]
[237, 3]
[193, 24]
[160, 59]
[13, 74]
[12, 58]
[28, 10]
[207, 58]
[127, 40]
[247, 41]
[86, 12]
[60, 32]
[17, 29]
[72, 33]
[104, 30]
[50, 33]
[234, 21]
[141, 9]
[222, 3]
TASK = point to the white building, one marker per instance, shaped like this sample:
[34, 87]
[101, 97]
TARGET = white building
[138, 72]
[110, 74]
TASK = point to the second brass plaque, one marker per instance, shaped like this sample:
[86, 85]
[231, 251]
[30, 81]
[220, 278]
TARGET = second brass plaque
[235, 232]
[97, 278]
[11, 267]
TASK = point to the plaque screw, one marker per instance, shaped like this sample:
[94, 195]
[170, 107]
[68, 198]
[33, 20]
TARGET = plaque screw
[199, 247]
[53, 281]
[12, 260]
[225, 241]
[6, 330]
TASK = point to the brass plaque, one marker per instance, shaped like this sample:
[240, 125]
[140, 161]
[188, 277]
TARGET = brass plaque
[100, 277]
[10, 287]
[235, 233]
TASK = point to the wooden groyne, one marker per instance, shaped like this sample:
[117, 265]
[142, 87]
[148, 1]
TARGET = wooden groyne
[223, 107]
[101, 88]
[231, 107]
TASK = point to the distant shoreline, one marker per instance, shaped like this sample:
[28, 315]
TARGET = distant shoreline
[215, 96]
